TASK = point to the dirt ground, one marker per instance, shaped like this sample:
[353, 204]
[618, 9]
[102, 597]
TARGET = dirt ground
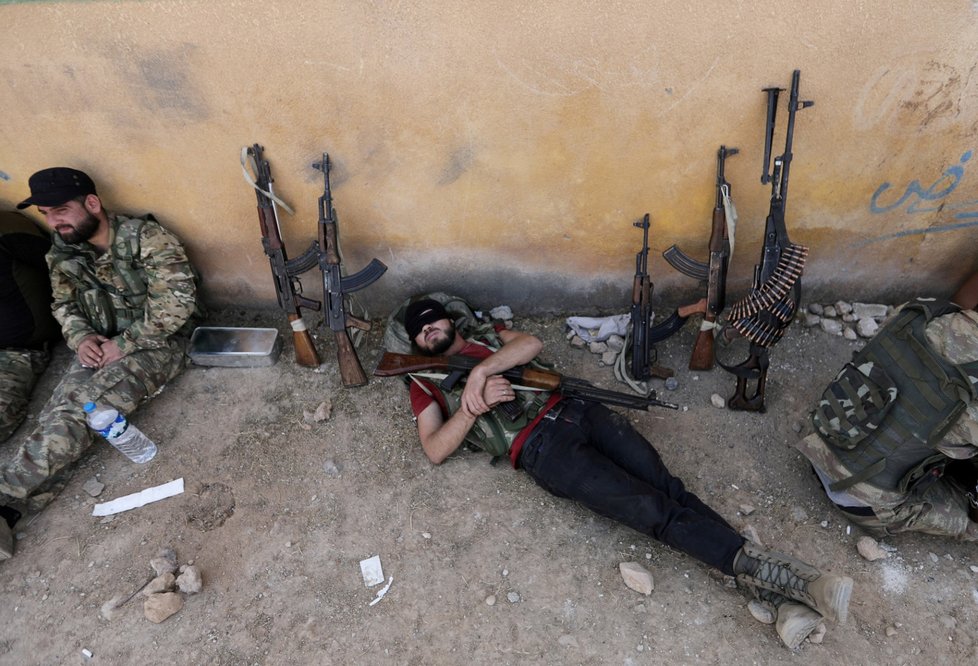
[279, 511]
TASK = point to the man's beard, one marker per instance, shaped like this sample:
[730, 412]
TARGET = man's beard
[443, 344]
[85, 229]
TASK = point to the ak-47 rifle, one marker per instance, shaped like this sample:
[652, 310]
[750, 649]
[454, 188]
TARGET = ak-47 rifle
[644, 334]
[336, 286]
[456, 367]
[763, 315]
[713, 272]
[285, 271]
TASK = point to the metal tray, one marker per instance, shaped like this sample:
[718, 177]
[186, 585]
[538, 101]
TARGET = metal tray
[235, 347]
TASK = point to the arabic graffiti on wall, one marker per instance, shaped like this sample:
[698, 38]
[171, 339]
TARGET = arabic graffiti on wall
[941, 196]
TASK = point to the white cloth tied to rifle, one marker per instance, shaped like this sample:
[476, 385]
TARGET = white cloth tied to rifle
[599, 329]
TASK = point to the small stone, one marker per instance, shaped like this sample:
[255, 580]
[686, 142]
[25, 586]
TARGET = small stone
[872, 310]
[597, 347]
[609, 357]
[190, 581]
[870, 550]
[816, 309]
[843, 308]
[513, 597]
[891, 631]
[831, 326]
[671, 383]
[830, 312]
[934, 558]
[797, 426]
[93, 487]
[162, 583]
[323, 411]
[615, 342]
[718, 401]
[867, 327]
[570, 334]
[637, 577]
[811, 320]
[818, 635]
[849, 318]
[849, 334]
[577, 342]
[158, 607]
[331, 469]
[746, 509]
[761, 612]
[491, 600]
[974, 569]
[426, 535]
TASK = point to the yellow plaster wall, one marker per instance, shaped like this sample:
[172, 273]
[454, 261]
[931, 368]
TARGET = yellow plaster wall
[505, 148]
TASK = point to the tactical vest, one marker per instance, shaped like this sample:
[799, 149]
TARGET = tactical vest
[495, 431]
[888, 409]
[110, 308]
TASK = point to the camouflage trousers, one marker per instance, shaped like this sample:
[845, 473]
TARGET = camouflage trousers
[941, 511]
[62, 433]
[19, 370]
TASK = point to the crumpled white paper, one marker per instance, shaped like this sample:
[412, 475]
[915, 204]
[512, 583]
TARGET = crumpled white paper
[599, 329]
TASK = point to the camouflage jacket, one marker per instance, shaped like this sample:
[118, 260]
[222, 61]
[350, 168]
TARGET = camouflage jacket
[140, 292]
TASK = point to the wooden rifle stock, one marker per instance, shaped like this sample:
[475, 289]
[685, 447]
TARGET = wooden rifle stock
[284, 271]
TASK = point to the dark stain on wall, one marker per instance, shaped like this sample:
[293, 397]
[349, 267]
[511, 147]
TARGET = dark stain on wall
[164, 83]
[458, 163]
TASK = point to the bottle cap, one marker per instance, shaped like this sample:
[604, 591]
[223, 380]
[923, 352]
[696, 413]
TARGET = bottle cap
[89, 407]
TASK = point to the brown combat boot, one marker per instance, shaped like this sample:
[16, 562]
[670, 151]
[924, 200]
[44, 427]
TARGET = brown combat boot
[827, 594]
[794, 622]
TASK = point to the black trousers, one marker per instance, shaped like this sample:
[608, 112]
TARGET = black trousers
[594, 456]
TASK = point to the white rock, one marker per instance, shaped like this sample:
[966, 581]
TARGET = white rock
[93, 487]
[811, 319]
[842, 307]
[761, 612]
[746, 509]
[491, 600]
[637, 577]
[816, 309]
[874, 310]
[849, 334]
[615, 342]
[832, 326]
[867, 327]
[718, 401]
[597, 347]
[609, 357]
[513, 597]
[818, 635]
[870, 549]
[830, 311]
[190, 581]
[577, 342]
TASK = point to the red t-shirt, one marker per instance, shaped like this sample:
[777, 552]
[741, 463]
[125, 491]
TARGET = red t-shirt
[421, 400]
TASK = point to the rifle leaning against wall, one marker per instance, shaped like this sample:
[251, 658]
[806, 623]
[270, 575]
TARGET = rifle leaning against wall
[763, 315]
[285, 271]
[336, 286]
[456, 367]
[643, 334]
[714, 271]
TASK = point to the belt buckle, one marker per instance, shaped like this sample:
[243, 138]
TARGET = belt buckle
[553, 413]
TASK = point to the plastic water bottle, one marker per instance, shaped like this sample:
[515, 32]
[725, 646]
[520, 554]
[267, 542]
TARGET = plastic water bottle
[121, 434]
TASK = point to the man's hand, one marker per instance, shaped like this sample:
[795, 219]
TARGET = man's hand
[473, 400]
[110, 352]
[90, 350]
[497, 390]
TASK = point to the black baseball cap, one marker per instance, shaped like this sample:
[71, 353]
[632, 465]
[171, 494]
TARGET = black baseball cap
[419, 313]
[55, 186]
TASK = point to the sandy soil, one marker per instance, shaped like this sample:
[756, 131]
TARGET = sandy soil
[279, 511]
